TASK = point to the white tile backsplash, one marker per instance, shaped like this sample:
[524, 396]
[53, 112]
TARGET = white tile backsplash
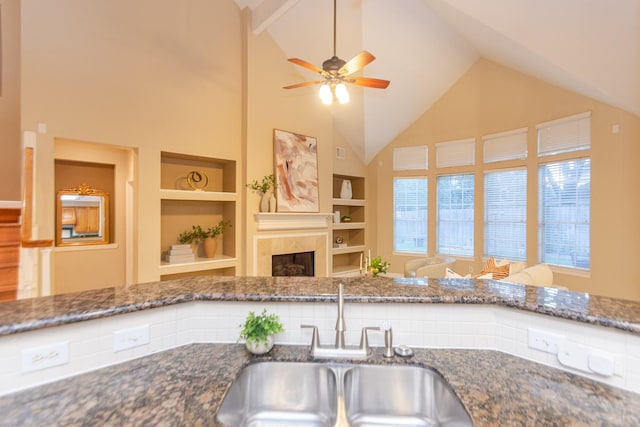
[418, 325]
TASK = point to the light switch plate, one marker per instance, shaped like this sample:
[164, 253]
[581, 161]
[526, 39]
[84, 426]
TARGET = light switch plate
[45, 356]
[130, 338]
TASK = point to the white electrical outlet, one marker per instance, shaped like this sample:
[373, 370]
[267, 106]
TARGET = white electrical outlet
[544, 341]
[45, 356]
[130, 338]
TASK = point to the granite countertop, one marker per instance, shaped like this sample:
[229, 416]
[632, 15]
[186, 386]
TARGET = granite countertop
[185, 386]
[31, 314]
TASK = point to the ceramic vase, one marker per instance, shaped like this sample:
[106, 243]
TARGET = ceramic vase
[272, 203]
[210, 246]
[260, 347]
[264, 203]
[345, 190]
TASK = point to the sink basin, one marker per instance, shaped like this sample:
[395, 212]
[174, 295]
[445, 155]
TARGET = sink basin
[314, 394]
[400, 396]
[281, 394]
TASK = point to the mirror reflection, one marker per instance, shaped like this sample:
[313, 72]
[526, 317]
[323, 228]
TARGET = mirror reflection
[82, 216]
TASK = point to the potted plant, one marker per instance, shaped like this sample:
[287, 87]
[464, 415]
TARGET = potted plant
[262, 188]
[258, 331]
[378, 266]
[193, 237]
[211, 241]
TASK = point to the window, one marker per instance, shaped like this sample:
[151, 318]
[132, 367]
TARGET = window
[564, 135]
[456, 153]
[410, 215]
[410, 158]
[505, 214]
[455, 214]
[564, 213]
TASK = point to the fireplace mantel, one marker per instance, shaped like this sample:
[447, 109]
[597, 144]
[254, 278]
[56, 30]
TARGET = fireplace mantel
[292, 221]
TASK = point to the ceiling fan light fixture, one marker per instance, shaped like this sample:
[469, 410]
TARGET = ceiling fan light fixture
[325, 94]
[341, 93]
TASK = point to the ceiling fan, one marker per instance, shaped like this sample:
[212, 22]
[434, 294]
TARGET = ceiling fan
[336, 72]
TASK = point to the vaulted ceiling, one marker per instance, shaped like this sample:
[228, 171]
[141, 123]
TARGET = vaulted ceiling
[591, 47]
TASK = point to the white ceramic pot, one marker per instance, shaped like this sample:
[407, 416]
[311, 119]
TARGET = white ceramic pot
[264, 203]
[260, 347]
[345, 190]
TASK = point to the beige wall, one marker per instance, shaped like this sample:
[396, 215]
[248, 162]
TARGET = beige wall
[154, 76]
[490, 98]
[269, 107]
[10, 141]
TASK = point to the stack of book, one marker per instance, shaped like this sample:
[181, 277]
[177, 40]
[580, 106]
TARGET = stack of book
[179, 254]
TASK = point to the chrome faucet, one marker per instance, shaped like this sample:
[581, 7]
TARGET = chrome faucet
[341, 325]
[340, 349]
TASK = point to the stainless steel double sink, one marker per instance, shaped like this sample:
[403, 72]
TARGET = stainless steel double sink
[270, 394]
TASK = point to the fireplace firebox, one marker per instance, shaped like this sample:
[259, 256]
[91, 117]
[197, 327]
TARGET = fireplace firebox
[294, 264]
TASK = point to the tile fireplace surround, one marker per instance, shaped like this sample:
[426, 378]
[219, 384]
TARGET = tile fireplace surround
[283, 233]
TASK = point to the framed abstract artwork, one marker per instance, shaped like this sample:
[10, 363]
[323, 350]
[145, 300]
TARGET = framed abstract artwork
[296, 170]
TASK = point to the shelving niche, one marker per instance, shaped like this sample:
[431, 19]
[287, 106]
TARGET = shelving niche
[182, 207]
[346, 260]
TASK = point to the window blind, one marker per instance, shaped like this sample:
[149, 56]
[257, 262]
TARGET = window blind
[564, 213]
[563, 135]
[505, 214]
[455, 212]
[410, 158]
[508, 145]
[455, 153]
[410, 215]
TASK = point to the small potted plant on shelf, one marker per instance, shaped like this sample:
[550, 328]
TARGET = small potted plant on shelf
[265, 189]
[211, 239]
[377, 266]
[193, 237]
[259, 331]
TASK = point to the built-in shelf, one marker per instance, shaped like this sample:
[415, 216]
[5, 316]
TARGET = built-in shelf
[348, 202]
[211, 196]
[348, 250]
[200, 264]
[348, 225]
[184, 204]
[346, 261]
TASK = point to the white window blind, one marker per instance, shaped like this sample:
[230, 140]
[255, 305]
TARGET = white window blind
[455, 153]
[564, 213]
[410, 158]
[563, 135]
[455, 214]
[410, 215]
[508, 145]
[505, 214]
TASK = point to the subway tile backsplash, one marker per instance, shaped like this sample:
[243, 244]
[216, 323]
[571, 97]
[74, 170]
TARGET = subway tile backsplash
[418, 325]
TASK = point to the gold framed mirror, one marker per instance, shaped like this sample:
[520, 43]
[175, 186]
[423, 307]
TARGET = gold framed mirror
[82, 216]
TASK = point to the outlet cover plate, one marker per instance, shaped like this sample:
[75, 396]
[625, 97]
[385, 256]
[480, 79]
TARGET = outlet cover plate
[125, 339]
[545, 341]
[45, 356]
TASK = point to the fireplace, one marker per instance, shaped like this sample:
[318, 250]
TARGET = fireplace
[293, 264]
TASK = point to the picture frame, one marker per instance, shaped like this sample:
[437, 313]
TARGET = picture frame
[296, 171]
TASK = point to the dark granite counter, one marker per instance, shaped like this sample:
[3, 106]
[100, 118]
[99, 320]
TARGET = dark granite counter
[37, 313]
[185, 386]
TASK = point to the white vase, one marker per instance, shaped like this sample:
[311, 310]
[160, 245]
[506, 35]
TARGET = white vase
[345, 190]
[272, 203]
[260, 347]
[264, 203]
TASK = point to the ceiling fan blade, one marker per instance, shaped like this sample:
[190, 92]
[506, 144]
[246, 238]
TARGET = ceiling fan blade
[356, 63]
[368, 82]
[303, 84]
[308, 66]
